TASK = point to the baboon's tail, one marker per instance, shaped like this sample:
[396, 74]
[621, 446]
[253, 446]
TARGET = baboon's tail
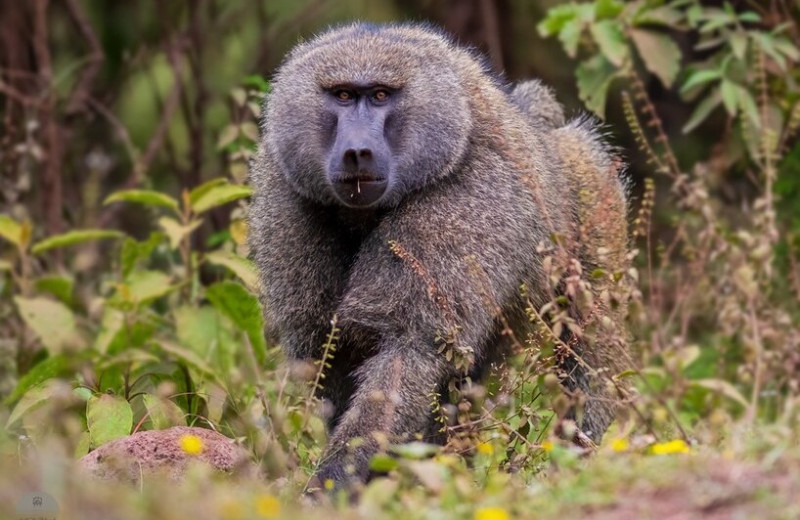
[538, 104]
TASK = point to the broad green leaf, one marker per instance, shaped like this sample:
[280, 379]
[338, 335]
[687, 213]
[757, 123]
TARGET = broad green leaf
[136, 253]
[240, 266]
[664, 16]
[723, 387]
[73, 238]
[415, 450]
[163, 413]
[58, 286]
[738, 41]
[146, 197]
[250, 130]
[728, 91]
[227, 136]
[242, 307]
[570, 37]
[704, 108]
[52, 322]
[661, 55]
[555, 20]
[607, 8]
[594, 78]
[787, 48]
[198, 328]
[191, 359]
[698, 78]
[113, 321]
[609, 36]
[109, 417]
[382, 463]
[11, 230]
[748, 105]
[176, 231]
[33, 399]
[219, 195]
[145, 286]
[205, 188]
[41, 372]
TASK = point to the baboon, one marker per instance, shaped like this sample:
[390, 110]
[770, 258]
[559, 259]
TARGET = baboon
[404, 188]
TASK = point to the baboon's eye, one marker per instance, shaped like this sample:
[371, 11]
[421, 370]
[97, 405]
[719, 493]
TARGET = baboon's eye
[380, 95]
[344, 95]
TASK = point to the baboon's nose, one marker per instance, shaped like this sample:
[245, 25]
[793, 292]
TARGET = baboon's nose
[356, 160]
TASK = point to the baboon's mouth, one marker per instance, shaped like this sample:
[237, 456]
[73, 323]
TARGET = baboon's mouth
[361, 190]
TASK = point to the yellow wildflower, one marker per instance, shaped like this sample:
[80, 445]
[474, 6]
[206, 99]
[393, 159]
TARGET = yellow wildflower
[670, 447]
[620, 445]
[547, 446]
[268, 506]
[191, 444]
[485, 448]
[329, 484]
[491, 513]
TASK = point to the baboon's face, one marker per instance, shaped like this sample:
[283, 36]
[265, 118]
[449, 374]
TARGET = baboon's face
[360, 161]
[364, 118]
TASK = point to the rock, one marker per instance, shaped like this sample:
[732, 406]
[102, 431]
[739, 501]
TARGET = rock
[166, 453]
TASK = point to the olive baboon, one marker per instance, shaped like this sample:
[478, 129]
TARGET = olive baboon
[391, 164]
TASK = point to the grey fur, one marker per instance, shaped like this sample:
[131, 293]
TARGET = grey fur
[481, 177]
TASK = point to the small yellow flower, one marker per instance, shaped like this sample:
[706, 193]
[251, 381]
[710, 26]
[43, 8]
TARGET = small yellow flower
[620, 445]
[329, 484]
[485, 448]
[670, 447]
[548, 446]
[191, 444]
[268, 506]
[491, 513]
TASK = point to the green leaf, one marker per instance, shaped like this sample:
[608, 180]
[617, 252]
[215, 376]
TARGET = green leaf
[176, 231]
[52, 322]
[699, 77]
[109, 417]
[704, 108]
[146, 286]
[250, 130]
[190, 359]
[607, 9]
[58, 286]
[609, 36]
[728, 91]
[748, 105]
[738, 41]
[227, 136]
[111, 324]
[73, 238]
[556, 19]
[146, 197]
[219, 195]
[722, 387]
[240, 266]
[41, 372]
[594, 78]
[163, 413]
[11, 230]
[135, 253]
[382, 463]
[661, 55]
[204, 188]
[204, 331]
[33, 399]
[664, 16]
[570, 37]
[415, 450]
[242, 307]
